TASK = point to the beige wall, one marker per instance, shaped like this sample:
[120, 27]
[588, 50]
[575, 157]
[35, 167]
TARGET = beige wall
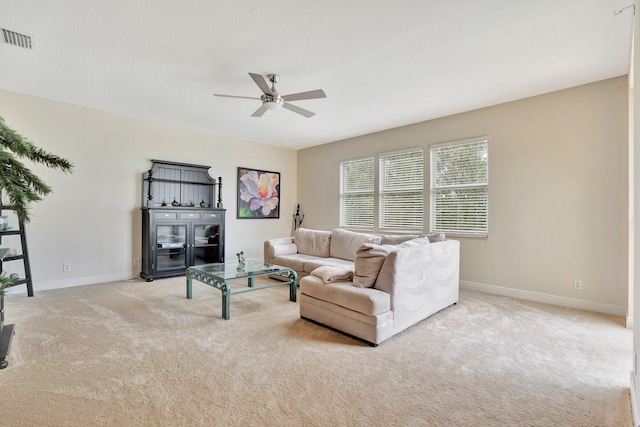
[634, 200]
[92, 219]
[557, 190]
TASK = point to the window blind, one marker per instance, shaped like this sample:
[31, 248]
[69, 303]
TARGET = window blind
[357, 193]
[460, 187]
[401, 190]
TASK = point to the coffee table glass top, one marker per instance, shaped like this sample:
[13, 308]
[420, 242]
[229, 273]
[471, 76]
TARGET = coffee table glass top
[219, 275]
[229, 270]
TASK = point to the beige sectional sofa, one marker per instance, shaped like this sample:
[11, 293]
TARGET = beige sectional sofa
[369, 286]
[310, 249]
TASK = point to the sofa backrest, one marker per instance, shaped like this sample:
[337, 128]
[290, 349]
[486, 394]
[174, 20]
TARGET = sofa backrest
[345, 243]
[312, 242]
[390, 239]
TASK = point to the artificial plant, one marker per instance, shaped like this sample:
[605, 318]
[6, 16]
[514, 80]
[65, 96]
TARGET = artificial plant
[4, 283]
[19, 187]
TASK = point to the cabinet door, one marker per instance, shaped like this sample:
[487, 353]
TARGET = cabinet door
[206, 244]
[171, 246]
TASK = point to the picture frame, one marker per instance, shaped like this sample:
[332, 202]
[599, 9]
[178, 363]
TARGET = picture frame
[258, 194]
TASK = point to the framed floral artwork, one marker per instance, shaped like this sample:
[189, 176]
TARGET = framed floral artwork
[258, 193]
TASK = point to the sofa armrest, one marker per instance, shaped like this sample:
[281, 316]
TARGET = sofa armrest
[277, 247]
[420, 281]
[421, 276]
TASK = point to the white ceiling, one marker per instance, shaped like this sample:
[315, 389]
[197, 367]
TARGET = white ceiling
[382, 63]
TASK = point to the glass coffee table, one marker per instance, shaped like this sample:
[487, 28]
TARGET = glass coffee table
[219, 275]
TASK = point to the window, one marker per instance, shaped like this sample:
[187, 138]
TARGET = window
[400, 194]
[356, 193]
[460, 187]
[389, 197]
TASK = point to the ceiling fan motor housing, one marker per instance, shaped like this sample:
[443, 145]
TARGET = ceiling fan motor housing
[272, 102]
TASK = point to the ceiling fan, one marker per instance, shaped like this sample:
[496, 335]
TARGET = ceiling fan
[272, 100]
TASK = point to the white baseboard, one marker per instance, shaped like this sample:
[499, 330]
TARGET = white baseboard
[74, 281]
[614, 310]
[634, 404]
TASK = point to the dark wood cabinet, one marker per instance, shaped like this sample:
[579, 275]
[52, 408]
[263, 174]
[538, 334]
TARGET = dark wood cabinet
[174, 239]
[180, 226]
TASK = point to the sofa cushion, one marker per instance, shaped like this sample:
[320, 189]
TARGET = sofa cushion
[313, 263]
[366, 301]
[345, 243]
[330, 274]
[283, 249]
[312, 242]
[296, 261]
[369, 260]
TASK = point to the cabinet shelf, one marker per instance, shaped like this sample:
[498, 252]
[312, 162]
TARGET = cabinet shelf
[12, 258]
[177, 181]
[18, 281]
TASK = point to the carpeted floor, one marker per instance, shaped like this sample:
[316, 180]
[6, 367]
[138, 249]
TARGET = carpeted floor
[140, 354]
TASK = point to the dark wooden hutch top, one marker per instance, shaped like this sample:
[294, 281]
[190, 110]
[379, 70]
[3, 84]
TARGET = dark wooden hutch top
[181, 185]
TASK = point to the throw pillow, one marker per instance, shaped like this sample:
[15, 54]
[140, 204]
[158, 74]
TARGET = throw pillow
[345, 243]
[368, 262]
[419, 241]
[283, 249]
[312, 242]
[330, 274]
[436, 237]
[389, 239]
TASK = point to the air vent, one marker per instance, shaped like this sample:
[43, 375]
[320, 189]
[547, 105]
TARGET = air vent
[16, 39]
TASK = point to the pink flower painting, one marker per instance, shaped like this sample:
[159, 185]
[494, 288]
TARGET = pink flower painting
[258, 194]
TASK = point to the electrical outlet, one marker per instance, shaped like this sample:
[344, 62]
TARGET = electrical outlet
[577, 285]
[66, 268]
[136, 262]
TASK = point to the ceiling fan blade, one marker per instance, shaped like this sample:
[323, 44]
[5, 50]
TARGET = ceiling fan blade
[260, 111]
[312, 94]
[262, 83]
[298, 110]
[234, 96]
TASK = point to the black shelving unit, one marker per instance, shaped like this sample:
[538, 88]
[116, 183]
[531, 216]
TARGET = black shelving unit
[7, 331]
[23, 257]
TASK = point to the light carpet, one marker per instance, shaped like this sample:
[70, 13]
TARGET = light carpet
[140, 354]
